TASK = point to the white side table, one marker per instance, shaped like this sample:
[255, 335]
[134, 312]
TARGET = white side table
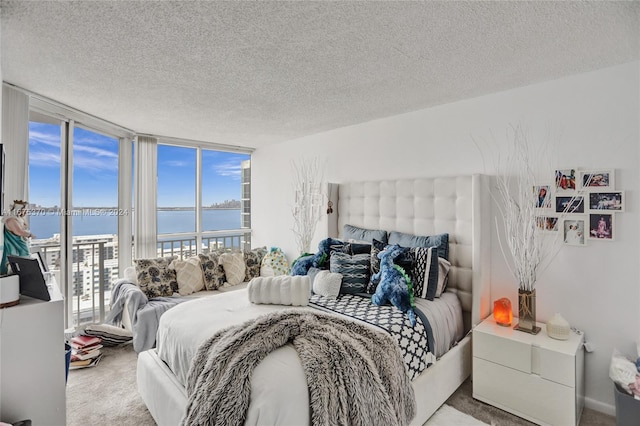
[532, 376]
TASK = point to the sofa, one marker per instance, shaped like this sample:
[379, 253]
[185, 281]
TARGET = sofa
[152, 286]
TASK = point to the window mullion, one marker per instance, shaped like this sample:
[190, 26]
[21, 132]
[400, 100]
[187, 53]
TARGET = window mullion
[198, 199]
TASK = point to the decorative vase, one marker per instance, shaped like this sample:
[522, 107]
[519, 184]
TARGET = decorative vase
[527, 312]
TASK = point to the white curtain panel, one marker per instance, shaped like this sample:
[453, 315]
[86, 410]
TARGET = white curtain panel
[146, 156]
[15, 138]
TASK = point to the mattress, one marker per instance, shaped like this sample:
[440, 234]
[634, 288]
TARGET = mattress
[185, 327]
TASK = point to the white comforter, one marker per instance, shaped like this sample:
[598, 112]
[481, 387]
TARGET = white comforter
[279, 389]
[281, 369]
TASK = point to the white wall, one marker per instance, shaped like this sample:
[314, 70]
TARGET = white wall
[596, 288]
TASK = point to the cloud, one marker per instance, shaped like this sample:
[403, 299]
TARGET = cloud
[44, 151]
[48, 139]
[228, 169]
[177, 163]
[44, 159]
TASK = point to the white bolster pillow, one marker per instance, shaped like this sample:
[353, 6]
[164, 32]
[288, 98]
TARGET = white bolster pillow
[280, 290]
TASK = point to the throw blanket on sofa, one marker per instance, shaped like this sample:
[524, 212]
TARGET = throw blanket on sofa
[354, 373]
[144, 313]
[280, 290]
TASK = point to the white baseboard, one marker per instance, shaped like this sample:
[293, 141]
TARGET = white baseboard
[600, 406]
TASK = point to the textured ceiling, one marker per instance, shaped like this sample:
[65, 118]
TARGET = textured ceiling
[253, 73]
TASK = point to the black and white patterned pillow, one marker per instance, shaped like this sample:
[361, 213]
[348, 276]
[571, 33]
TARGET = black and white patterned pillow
[354, 270]
[253, 260]
[376, 247]
[424, 273]
[155, 277]
[212, 270]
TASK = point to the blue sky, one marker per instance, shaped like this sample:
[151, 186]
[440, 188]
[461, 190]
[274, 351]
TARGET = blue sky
[95, 174]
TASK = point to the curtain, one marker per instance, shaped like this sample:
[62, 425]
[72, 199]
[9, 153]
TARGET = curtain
[15, 139]
[146, 156]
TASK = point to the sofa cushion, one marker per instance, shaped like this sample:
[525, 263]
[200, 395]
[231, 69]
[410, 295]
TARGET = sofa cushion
[155, 277]
[189, 275]
[253, 261]
[234, 267]
[212, 270]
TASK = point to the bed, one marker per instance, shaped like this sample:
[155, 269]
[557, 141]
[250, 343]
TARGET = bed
[456, 205]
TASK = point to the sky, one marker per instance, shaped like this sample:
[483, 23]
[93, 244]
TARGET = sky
[95, 172]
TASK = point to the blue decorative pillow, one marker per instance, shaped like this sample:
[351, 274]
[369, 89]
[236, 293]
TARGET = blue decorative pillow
[424, 272]
[354, 270]
[351, 232]
[441, 241]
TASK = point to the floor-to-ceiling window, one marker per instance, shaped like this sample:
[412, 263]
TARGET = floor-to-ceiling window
[74, 207]
[201, 195]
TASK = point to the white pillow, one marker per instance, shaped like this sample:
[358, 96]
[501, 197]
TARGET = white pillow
[189, 275]
[327, 284]
[234, 268]
[443, 275]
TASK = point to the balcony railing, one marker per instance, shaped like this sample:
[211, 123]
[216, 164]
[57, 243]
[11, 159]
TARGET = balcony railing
[95, 267]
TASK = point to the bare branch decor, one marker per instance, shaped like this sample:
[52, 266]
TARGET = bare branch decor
[527, 250]
[308, 200]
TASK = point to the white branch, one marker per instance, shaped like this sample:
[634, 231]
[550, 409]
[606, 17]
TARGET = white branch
[526, 249]
[308, 201]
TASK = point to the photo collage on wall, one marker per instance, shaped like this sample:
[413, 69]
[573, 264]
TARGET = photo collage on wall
[580, 204]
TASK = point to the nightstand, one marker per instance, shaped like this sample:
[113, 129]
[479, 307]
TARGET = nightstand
[532, 376]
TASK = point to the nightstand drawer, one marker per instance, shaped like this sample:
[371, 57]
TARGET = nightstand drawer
[507, 352]
[554, 366]
[526, 395]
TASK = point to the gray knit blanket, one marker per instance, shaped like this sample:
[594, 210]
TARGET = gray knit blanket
[355, 374]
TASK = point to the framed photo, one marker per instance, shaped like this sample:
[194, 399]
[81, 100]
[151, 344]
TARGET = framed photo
[543, 196]
[573, 231]
[610, 201]
[547, 223]
[597, 179]
[565, 181]
[601, 226]
[569, 204]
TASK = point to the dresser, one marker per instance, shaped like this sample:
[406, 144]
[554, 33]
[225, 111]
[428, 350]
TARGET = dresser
[532, 376]
[32, 361]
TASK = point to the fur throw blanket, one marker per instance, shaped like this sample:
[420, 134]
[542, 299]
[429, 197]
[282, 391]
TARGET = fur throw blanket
[375, 386]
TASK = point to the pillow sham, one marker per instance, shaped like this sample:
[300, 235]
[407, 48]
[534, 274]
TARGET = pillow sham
[441, 241]
[234, 268]
[253, 261]
[424, 273]
[327, 284]
[188, 275]
[354, 270]
[443, 275]
[355, 233]
[155, 277]
[212, 270]
[374, 263]
[274, 263]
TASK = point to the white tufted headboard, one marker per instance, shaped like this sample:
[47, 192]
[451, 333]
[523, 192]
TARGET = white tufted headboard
[458, 206]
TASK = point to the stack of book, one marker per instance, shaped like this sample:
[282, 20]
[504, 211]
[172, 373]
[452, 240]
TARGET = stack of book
[85, 351]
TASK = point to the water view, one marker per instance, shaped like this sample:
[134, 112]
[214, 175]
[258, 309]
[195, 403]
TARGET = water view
[169, 222]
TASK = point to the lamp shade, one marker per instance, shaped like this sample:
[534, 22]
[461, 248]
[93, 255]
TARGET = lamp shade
[502, 313]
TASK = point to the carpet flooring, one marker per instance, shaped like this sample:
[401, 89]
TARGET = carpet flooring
[107, 395]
